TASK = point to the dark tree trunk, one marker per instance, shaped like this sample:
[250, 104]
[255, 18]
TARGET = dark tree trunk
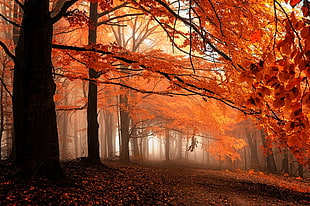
[300, 170]
[92, 121]
[285, 167]
[1, 113]
[37, 151]
[124, 121]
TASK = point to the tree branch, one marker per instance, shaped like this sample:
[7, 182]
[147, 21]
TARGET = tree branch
[63, 10]
[8, 52]
[75, 48]
[72, 109]
[186, 86]
[19, 4]
[5, 87]
[11, 22]
[118, 17]
[113, 9]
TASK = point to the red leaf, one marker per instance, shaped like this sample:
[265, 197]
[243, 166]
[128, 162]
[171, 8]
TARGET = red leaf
[256, 36]
[294, 2]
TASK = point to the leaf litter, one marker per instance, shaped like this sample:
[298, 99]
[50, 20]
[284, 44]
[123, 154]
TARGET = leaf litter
[133, 184]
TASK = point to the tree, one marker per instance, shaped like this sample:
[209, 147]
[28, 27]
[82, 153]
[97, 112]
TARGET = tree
[273, 81]
[252, 56]
[37, 151]
[92, 121]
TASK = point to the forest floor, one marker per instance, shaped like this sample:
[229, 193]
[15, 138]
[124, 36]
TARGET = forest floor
[133, 184]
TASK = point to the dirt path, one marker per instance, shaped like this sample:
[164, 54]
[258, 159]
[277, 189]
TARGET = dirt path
[148, 185]
[188, 186]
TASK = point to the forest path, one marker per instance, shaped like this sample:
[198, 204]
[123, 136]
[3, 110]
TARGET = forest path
[192, 186]
[121, 184]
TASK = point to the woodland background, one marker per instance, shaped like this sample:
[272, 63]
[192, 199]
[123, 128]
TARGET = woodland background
[223, 84]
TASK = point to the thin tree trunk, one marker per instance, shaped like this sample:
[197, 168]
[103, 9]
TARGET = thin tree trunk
[124, 124]
[92, 121]
[271, 164]
[1, 113]
[167, 146]
[108, 119]
[300, 170]
[285, 167]
[16, 33]
[135, 147]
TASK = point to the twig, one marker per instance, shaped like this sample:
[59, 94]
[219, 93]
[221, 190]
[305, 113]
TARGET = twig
[11, 22]
[10, 54]
[5, 87]
[63, 10]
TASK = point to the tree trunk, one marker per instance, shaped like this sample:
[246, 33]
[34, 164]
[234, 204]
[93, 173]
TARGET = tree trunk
[92, 121]
[124, 121]
[300, 170]
[1, 113]
[134, 142]
[16, 33]
[109, 134]
[271, 164]
[254, 163]
[64, 132]
[167, 146]
[285, 167]
[37, 151]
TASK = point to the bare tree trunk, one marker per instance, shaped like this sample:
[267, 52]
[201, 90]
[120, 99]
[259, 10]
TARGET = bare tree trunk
[63, 119]
[1, 114]
[76, 137]
[300, 170]
[167, 146]
[285, 167]
[271, 164]
[254, 163]
[124, 124]
[92, 121]
[135, 146]
[108, 118]
[16, 33]
[37, 151]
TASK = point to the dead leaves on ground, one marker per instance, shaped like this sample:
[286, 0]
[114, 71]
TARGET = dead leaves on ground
[121, 184]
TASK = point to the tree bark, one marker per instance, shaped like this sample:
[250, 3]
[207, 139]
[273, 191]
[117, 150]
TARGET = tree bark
[37, 151]
[1, 113]
[271, 164]
[285, 167]
[300, 170]
[124, 121]
[167, 146]
[254, 163]
[135, 145]
[92, 119]
[16, 32]
[108, 119]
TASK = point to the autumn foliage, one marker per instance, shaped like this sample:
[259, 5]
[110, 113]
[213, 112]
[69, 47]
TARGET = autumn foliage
[250, 57]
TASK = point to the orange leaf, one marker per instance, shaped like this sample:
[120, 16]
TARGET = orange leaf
[278, 103]
[294, 2]
[256, 36]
